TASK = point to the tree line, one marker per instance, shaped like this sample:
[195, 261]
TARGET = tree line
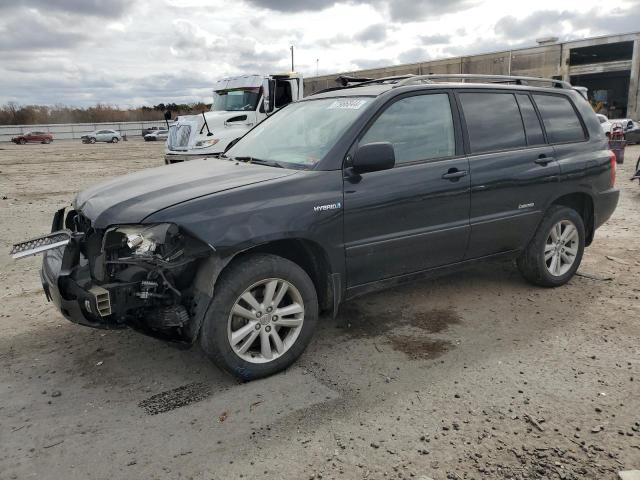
[14, 114]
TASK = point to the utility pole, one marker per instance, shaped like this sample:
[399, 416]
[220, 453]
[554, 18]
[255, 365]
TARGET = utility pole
[317, 62]
[292, 69]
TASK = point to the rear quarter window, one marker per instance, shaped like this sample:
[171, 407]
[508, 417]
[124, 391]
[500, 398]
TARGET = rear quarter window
[560, 119]
[493, 121]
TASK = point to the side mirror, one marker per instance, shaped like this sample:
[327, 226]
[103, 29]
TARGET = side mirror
[268, 89]
[374, 157]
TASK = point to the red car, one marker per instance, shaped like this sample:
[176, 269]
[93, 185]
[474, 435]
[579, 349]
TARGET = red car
[40, 137]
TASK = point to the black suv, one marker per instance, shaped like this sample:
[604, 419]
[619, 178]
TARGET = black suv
[345, 192]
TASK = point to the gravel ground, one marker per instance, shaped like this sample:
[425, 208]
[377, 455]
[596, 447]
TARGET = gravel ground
[473, 375]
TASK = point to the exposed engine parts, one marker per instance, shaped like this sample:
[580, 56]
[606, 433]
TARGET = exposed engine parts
[135, 275]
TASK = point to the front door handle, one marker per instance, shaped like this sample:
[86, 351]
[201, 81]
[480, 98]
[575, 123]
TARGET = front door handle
[543, 160]
[454, 174]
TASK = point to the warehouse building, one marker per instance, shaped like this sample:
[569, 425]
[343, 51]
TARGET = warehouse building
[608, 66]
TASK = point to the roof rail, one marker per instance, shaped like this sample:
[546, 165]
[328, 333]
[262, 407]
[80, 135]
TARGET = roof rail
[360, 82]
[392, 79]
[346, 80]
[481, 79]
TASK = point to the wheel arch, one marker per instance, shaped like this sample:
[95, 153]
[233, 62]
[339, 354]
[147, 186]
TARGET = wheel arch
[308, 255]
[582, 203]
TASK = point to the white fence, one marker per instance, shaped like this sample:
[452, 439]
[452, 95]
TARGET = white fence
[76, 130]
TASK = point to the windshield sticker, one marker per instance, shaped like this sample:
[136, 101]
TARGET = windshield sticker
[347, 103]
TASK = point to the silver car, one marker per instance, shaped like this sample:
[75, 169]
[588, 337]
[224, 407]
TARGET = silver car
[105, 135]
[161, 134]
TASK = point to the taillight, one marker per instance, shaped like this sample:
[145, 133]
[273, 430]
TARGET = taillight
[612, 170]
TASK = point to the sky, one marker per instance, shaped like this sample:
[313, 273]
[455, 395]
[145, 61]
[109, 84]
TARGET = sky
[142, 52]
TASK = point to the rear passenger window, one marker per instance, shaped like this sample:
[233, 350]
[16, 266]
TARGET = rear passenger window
[560, 119]
[531, 122]
[493, 121]
[418, 127]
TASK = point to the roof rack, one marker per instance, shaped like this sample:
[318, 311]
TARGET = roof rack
[345, 82]
[392, 79]
[408, 80]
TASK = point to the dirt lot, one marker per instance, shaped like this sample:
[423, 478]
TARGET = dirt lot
[474, 375]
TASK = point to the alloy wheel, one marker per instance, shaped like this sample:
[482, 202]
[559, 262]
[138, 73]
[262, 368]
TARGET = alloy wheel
[265, 320]
[561, 248]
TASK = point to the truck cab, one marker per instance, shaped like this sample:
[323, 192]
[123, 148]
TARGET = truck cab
[239, 103]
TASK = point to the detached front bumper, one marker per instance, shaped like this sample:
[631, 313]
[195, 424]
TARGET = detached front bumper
[82, 304]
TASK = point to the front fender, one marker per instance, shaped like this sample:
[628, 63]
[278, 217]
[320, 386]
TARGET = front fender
[283, 208]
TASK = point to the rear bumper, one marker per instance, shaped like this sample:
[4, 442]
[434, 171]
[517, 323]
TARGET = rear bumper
[604, 205]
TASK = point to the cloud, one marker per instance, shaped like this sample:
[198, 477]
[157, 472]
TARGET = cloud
[370, 63]
[414, 10]
[89, 88]
[414, 55]
[97, 8]
[567, 24]
[34, 32]
[238, 53]
[436, 39]
[286, 6]
[372, 34]
[149, 51]
[544, 22]
[399, 10]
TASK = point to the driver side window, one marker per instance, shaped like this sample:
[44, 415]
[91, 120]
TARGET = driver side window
[419, 128]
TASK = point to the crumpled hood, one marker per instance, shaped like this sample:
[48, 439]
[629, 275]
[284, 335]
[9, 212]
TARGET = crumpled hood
[131, 198]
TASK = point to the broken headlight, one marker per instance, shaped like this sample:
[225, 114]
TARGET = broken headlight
[162, 239]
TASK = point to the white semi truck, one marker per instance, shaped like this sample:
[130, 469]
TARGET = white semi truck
[239, 103]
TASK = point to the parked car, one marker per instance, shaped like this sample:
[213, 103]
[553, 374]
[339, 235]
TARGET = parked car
[147, 130]
[339, 194]
[632, 134]
[39, 137]
[110, 136]
[626, 123]
[156, 135]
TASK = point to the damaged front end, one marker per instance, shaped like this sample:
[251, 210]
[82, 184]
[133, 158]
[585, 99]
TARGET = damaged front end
[141, 276]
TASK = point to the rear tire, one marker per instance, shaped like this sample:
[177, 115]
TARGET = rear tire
[258, 277]
[114, 140]
[555, 252]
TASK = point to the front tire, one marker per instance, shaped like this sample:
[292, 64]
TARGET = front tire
[114, 140]
[555, 252]
[262, 316]
[92, 140]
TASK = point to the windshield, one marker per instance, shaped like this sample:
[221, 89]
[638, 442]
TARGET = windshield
[301, 133]
[235, 100]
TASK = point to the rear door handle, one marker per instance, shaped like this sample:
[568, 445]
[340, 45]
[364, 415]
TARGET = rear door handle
[454, 174]
[543, 160]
